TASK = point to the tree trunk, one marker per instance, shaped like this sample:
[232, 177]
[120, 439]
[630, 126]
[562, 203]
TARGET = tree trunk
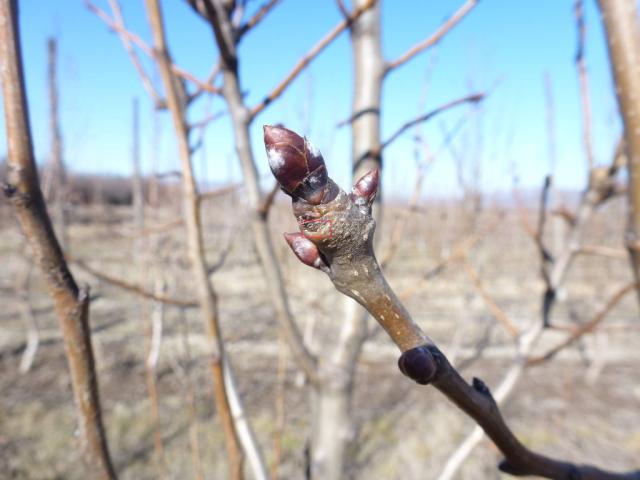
[176, 102]
[71, 303]
[241, 119]
[334, 431]
[620, 19]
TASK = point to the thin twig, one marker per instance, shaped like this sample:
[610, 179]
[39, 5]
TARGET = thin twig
[118, 26]
[603, 251]
[434, 38]
[474, 98]
[545, 255]
[204, 122]
[132, 288]
[153, 337]
[495, 309]
[397, 233]
[587, 327]
[257, 17]
[267, 202]
[458, 252]
[343, 9]
[526, 343]
[309, 56]
[142, 45]
[583, 77]
[211, 78]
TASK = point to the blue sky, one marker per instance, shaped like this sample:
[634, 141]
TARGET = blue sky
[510, 41]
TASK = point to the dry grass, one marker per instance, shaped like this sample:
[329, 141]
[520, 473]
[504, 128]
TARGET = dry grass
[567, 407]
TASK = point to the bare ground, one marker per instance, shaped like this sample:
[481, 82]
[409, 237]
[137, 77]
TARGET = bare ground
[583, 405]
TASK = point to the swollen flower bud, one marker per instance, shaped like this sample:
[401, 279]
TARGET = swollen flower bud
[297, 165]
[366, 188]
[418, 364]
[305, 250]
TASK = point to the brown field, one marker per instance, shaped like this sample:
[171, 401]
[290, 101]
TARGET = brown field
[583, 405]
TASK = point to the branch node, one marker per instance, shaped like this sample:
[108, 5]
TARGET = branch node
[418, 364]
[9, 190]
[481, 387]
[507, 467]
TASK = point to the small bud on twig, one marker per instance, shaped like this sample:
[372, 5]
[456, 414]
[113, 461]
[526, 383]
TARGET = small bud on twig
[367, 187]
[306, 251]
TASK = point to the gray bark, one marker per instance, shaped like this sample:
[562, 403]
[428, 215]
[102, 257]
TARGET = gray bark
[334, 430]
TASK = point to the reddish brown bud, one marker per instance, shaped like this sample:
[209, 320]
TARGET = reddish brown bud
[418, 364]
[367, 187]
[305, 250]
[296, 163]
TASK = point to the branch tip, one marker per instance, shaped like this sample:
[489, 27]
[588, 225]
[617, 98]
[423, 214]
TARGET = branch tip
[297, 165]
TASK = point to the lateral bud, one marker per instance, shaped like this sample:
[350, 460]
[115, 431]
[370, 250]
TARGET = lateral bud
[418, 364]
[306, 251]
[366, 189]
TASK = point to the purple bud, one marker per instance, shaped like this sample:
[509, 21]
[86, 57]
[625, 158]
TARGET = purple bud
[367, 187]
[305, 250]
[418, 364]
[296, 163]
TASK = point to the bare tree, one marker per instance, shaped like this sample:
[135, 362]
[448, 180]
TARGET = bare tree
[554, 270]
[347, 257]
[620, 19]
[228, 34]
[332, 376]
[176, 99]
[71, 302]
[334, 430]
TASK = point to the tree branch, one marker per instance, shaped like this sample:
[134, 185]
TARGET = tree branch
[132, 288]
[587, 327]
[337, 238]
[222, 383]
[71, 302]
[309, 56]
[127, 37]
[434, 38]
[473, 98]
[268, 199]
[498, 313]
[583, 78]
[257, 18]
[119, 27]
[458, 252]
[241, 117]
